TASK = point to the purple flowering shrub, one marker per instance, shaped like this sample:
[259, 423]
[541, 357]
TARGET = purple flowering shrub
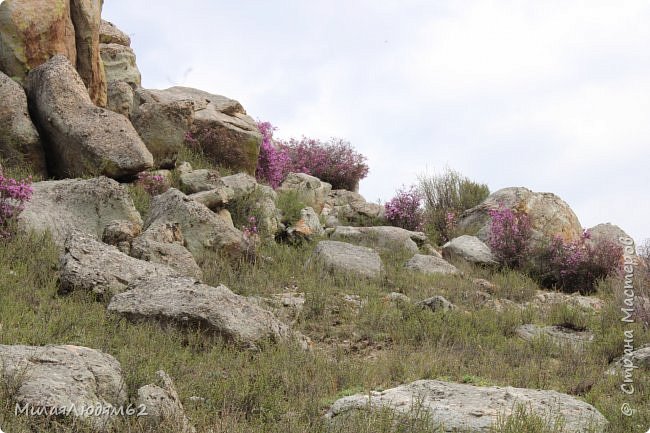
[404, 210]
[152, 184]
[13, 196]
[577, 265]
[509, 236]
[274, 162]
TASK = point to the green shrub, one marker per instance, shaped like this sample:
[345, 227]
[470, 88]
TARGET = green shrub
[446, 196]
[290, 204]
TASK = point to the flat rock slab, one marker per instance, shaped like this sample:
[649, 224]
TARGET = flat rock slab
[470, 249]
[91, 265]
[558, 334]
[64, 377]
[344, 257]
[472, 408]
[185, 302]
[87, 205]
[430, 265]
[384, 238]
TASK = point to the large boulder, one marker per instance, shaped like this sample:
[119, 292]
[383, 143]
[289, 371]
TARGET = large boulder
[346, 207]
[470, 249]
[202, 229]
[32, 32]
[611, 234]
[430, 265]
[185, 302]
[163, 405]
[20, 143]
[164, 244]
[120, 98]
[461, 407]
[549, 215]
[110, 34]
[88, 205]
[81, 138]
[119, 64]
[86, 17]
[384, 238]
[217, 126]
[93, 266]
[348, 258]
[202, 180]
[65, 378]
[311, 190]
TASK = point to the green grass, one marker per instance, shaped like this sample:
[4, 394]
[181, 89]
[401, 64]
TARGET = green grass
[378, 346]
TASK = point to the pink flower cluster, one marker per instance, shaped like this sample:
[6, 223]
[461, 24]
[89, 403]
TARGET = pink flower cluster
[13, 196]
[334, 161]
[250, 231]
[509, 235]
[404, 210]
[153, 184]
[577, 265]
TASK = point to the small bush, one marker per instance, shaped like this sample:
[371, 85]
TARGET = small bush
[334, 161]
[446, 196]
[404, 210]
[290, 204]
[13, 196]
[274, 162]
[509, 235]
[152, 184]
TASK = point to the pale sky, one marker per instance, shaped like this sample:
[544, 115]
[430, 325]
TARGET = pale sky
[551, 95]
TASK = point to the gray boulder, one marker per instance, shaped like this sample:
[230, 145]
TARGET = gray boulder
[164, 244]
[217, 126]
[307, 226]
[430, 265]
[639, 358]
[344, 207]
[560, 335]
[437, 303]
[549, 215]
[461, 407]
[163, 406]
[82, 138]
[202, 229]
[119, 64]
[90, 265]
[344, 257]
[64, 377]
[201, 180]
[311, 190]
[120, 234]
[120, 98]
[185, 302]
[110, 34]
[88, 205]
[20, 143]
[470, 249]
[383, 238]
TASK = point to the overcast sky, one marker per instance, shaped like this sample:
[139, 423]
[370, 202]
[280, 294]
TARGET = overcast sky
[550, 95]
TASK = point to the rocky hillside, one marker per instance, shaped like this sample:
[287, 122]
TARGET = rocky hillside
[149, 281]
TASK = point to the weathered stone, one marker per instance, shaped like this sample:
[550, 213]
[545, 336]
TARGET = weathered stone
[184, 302]
[110, 34]
[120, 234]
[311, 190]
[201, 180]
[384, 238]
[65, 378]
[120, 98]
[20, 143]
[558, 334]
[461, 407]
[344, 207]
[88, 205]
[437, 303]
[430, 265]
[397, 298]
[549, 215]
[163, 405]
[31, 32]
[637, 359]
[81, 137]
[307, 226]
[102, 269]
[202, 229]
[217, 126]
[344, 257]
[120, 64]
[86, 16]
[242, 184]
[587, 303]
[470, 249]
[164, 244]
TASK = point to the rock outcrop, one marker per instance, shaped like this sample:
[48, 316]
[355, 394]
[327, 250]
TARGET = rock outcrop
[65, 378]
[81, 138]
[86, 17]
[311, 190]
[87, 205]
[348, 258]
[184, 302]
[383, 238]
[470, 249]
[344, 207]
[560, 335]
[110, 34]
[119, 64]
[549, 215]
[20, 144]
[213, 124]
[430, 265]
[461, 407]
[163, 406]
